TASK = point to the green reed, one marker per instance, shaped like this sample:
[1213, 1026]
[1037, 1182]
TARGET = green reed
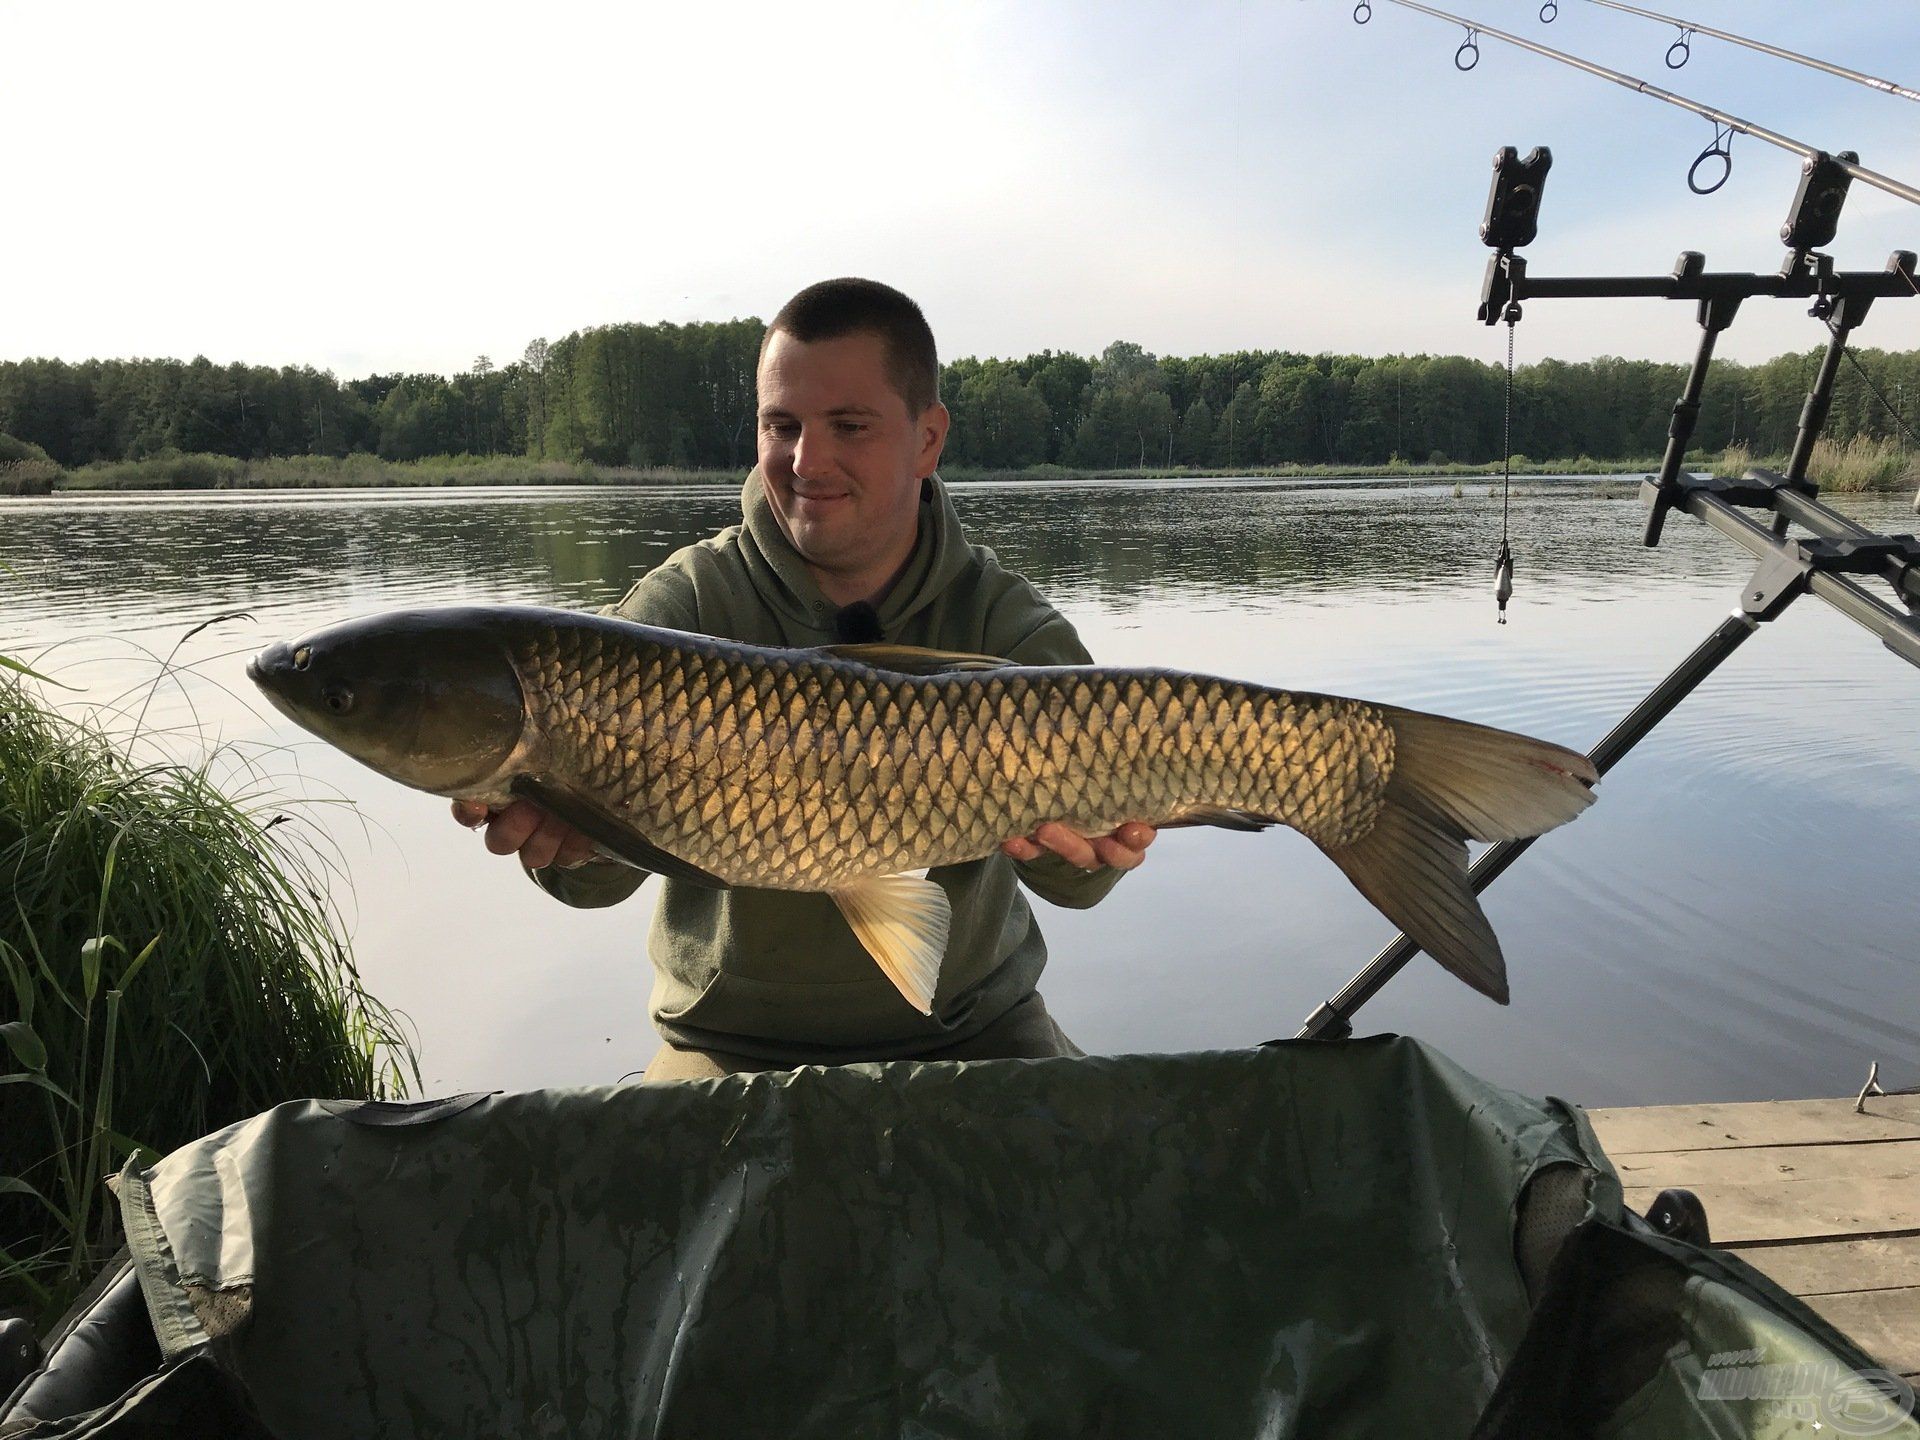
[194, 472]
[310, 472]
[1845, 466]
[169, 963]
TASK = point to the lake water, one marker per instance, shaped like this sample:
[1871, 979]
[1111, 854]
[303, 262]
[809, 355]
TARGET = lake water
[1736, 919]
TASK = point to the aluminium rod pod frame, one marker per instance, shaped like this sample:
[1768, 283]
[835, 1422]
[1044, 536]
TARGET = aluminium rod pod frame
[1831, 564]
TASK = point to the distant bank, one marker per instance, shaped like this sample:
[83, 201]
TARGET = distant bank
[1856, 465]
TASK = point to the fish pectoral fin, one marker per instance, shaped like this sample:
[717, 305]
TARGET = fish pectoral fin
[913, 659]
[1220, 815]
[612, 832]
[903, 920]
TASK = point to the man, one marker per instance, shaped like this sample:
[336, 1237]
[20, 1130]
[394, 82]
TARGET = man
[846, 534]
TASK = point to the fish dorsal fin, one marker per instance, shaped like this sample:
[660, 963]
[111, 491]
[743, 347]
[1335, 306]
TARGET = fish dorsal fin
[913, 659]
[612, 832]
[903, 921]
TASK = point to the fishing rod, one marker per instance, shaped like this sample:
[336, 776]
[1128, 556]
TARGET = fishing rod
[1832, 565]
[1468, 55]
[1683, 47]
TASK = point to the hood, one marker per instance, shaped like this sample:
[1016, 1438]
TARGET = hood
[940, 555]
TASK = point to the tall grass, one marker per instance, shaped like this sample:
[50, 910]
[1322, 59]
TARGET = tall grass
[302, 472]
[169, 963]
[28, 477]
[1843, 466]
[1861, 463]
[25, 468]
[316, 472]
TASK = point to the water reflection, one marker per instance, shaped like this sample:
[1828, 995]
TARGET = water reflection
[1736, 919]
[1111, 544]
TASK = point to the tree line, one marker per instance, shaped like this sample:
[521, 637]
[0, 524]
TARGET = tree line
[682, 396]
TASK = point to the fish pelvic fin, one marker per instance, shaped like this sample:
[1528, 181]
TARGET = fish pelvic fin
[1453, 781]
[903, 920]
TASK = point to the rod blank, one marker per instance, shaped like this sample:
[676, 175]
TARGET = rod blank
[1774, 50]
[1644, 87]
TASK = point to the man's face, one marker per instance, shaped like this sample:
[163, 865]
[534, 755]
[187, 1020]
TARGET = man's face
[843, 456]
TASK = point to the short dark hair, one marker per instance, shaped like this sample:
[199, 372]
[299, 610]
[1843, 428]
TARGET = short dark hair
[850, 306]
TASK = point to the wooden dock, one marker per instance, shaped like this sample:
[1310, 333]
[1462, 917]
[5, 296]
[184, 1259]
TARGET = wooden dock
[1823, 1201]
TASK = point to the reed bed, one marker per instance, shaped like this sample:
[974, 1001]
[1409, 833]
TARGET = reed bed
[25, 468]
[169, 962]
[360, 471]
[28, 477]
[321, 472]
[1847, 467]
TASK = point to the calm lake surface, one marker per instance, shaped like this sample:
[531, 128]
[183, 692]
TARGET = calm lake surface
[1736, 919]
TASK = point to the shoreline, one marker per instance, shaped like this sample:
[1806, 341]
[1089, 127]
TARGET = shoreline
[198, 474]
[202, 474]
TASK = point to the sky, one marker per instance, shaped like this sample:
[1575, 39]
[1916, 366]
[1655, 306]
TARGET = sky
[378, 187]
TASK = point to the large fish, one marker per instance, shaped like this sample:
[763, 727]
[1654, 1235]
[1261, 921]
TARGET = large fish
[853, 769]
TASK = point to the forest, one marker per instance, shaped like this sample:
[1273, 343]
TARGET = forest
[681, 396]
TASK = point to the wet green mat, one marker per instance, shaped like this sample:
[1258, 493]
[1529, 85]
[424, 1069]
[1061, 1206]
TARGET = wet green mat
[1311, 1239]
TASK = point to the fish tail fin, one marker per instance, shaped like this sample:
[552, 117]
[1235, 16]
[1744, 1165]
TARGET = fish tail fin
[1453, 781]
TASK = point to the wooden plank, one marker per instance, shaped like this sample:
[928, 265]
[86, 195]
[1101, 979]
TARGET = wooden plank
[1769, 1122]
[1824, 1201]
[1770, 1164]
[1884, 1323]
[1800, 1209]
[1828, 1267]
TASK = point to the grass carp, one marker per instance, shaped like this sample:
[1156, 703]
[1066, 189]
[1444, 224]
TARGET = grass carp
[853, 769]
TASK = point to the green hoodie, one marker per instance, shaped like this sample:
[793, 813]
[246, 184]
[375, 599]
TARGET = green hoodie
[778, 975]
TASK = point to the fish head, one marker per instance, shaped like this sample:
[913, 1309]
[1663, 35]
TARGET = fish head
[425, 698]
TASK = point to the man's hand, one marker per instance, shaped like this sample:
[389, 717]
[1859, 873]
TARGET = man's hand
[524, 829]
[1124, 849]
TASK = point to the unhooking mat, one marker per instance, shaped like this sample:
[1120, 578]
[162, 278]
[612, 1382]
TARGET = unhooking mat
[1313, 1239]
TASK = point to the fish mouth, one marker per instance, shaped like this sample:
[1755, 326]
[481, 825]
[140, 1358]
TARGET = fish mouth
[270, 664]
[277, 662]
[273, 672]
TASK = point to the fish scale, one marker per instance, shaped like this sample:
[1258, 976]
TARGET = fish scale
[805, 771]
[849, 770]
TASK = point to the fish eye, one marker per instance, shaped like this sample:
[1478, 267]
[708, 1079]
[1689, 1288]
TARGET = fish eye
[337, 698]
[303, 657]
